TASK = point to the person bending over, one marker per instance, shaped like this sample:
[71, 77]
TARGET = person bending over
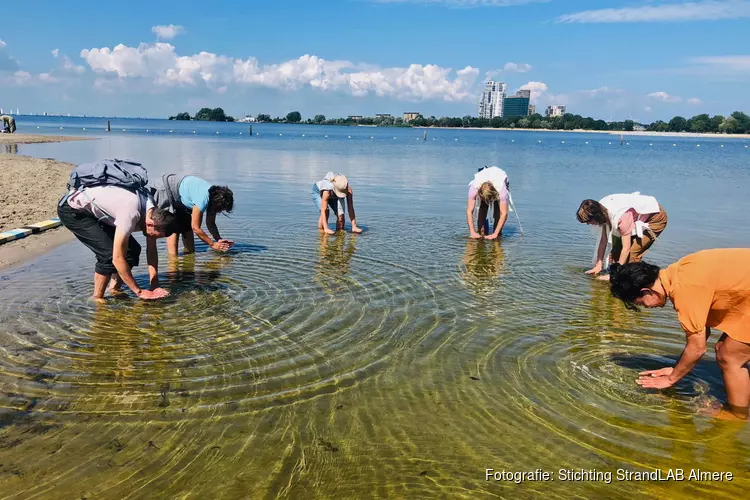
[332, 193]
[104, 218]
[489, 188]
[708, 289]
[190, 198]
[631, 223]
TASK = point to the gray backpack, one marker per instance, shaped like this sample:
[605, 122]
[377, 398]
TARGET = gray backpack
[121, 173]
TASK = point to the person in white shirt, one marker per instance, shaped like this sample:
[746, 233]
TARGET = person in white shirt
[334, 192]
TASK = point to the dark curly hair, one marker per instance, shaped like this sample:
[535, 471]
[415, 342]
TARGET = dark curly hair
[592, 211]
[220, 199]
[628, 281]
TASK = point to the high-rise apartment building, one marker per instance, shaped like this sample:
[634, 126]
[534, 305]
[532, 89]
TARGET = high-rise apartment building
[553, 111]
[493, 99]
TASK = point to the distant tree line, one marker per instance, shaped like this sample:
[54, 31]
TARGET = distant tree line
[737, 123]
[206, 115]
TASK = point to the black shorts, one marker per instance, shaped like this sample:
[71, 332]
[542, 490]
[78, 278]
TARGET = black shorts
[98, 237]
[184, 220]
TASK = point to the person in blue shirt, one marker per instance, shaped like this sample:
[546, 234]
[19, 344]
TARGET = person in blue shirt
[190, 198]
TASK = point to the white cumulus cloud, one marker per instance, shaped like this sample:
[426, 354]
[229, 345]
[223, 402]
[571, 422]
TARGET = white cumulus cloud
[55, 53]
[168, 32]
[160, 64]
[537, 89]
[664, 97]
[705, 10]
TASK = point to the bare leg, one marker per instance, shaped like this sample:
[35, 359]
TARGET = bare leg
[733, 358]
[173, 243]
[115, 285]
[340, 223]
[100, 286]
[350, 207]
[322, 223]
[482, 217]
[188, 242]
[496, 212]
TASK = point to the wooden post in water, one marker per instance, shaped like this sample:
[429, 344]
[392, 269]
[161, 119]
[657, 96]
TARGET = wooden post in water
[251, 130]
[108, 126]
[425, 135]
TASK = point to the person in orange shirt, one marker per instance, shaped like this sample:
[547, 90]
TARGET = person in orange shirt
[709, 289]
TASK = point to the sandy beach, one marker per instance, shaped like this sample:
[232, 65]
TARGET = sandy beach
[38, 139]
[32, 188]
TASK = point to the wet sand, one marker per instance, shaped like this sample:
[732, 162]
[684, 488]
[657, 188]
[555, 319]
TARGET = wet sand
[31, 247]
[31, 190]
[38, 139]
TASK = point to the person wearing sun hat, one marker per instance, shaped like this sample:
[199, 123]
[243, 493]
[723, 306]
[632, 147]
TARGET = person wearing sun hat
[334, 192]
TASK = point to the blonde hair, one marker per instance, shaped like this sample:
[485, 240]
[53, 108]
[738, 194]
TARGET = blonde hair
[488, 193]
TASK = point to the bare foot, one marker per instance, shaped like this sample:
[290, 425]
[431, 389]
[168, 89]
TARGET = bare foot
[720, 412]
[603, 277]
[729, 415]
[356, 230]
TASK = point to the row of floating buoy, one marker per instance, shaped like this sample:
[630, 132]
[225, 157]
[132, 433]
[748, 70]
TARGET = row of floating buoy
[674, 145]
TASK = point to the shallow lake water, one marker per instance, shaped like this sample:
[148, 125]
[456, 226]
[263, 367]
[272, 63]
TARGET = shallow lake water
[402, 362]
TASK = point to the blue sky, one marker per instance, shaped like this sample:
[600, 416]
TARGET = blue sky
[645, 59]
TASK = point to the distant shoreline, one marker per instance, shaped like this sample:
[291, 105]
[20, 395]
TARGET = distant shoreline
[607, 132]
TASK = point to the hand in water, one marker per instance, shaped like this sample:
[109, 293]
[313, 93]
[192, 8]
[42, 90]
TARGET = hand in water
[661, 372]
[595, 270]
[656, 379]
[222, 245]
[157, 293]
[492, 236]
[328, 230]
[475, 236]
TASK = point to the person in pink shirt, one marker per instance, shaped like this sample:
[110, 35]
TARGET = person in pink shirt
[631, 223]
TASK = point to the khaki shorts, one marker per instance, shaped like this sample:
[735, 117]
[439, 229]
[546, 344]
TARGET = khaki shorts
[656, 224]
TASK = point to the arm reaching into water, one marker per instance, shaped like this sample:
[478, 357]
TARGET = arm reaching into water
[667, 377]
[600, 253]
[152, 257]
[211, 225]
[470, 219]
[196, 221]
[119, 250]
[501, 222]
